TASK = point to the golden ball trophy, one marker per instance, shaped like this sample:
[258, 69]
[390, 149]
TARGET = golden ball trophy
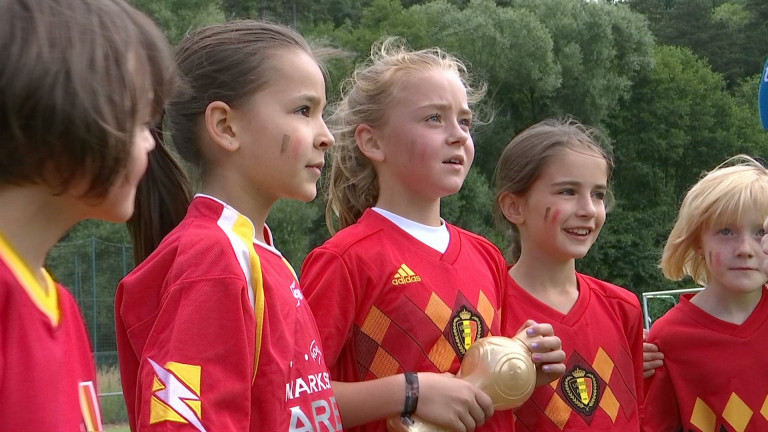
[499, 366]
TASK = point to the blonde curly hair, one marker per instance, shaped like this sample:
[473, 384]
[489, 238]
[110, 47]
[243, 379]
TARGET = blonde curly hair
[365, 98]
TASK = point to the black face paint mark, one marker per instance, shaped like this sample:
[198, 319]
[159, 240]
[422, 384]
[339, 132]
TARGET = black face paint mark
[546, 213]
[710, 257]
[284, 146]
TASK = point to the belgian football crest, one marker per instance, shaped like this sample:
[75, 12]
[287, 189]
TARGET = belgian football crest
[466, 326]
[581, 387]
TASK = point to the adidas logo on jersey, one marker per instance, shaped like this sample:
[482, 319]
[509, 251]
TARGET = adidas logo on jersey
[404, 276]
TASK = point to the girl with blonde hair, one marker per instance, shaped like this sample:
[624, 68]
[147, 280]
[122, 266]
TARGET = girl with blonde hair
[399, 293]
[714, 377]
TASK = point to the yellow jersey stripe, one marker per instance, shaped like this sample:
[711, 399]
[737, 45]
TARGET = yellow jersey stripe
[241, 234]
[46, 298]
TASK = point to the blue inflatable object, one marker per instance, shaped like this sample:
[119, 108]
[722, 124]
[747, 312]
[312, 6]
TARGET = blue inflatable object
[763, 97]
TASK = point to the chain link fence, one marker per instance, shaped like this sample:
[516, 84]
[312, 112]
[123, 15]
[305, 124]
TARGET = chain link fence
[91, 270]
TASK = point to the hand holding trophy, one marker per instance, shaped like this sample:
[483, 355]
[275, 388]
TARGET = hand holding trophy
[499, 366]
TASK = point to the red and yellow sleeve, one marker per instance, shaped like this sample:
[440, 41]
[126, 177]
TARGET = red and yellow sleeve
[197, 367]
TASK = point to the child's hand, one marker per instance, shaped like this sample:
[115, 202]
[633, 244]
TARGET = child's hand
[652, 358]
[547, 352]
[453, 403]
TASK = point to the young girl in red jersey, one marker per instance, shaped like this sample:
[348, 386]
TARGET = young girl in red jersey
[714, 376]
[81, 81]
[552, 182]
[398, 290]
[213, 332]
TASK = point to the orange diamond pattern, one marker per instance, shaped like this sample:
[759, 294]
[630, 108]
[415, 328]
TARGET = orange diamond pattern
[438, 311]
[442, 354]
[703, 417]
[486, 309]
[603, 365]
[554, 384]
[609, 404]
[383, 364]
[376, 325]
[737, 413]
[558, 411]
[764, 409]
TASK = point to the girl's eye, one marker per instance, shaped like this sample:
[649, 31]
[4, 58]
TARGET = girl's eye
[599, 195]
[466, 122]
[725, 232]
[567, 192]
[434, 118]
[760, 233]
[305, 111]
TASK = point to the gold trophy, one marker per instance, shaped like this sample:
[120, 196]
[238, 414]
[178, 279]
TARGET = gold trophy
[499, 366]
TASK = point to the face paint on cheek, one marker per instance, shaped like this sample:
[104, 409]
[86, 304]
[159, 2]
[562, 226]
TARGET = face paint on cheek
[546, 213]
[714, 261]
[419, 152]
[555, 216]
[284, 145]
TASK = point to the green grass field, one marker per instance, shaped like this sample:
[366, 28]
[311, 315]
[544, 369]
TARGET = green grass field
[117, 428]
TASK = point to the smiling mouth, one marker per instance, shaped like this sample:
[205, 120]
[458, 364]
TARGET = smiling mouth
[454, 161]
[579, 231]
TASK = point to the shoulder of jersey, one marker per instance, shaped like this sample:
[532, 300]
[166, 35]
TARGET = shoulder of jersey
[473, 236]
[610, 290]
[353, 236]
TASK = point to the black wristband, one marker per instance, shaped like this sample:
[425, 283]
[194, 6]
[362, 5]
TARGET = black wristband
[411, 393]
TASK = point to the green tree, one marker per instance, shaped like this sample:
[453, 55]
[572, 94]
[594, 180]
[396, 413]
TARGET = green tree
[731, 35]
[297, 227]
[679, 122]
[298, 13]
[601, 49]
[178, 17]
[471, 207]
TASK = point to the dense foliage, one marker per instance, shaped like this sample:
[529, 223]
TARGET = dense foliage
[671, 83]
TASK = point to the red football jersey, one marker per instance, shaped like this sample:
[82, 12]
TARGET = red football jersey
[603, 342]
[387, 303]
[714, 375]
[47, 371]
[214, 334]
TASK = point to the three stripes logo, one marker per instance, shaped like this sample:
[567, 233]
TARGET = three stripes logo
[404, 275]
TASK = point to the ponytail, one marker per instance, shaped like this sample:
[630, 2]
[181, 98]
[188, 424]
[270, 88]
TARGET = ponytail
[162, 198]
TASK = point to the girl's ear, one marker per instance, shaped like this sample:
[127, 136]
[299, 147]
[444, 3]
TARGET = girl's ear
[699, 251]
[367, 142]
[219, 123]
[510, 205]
